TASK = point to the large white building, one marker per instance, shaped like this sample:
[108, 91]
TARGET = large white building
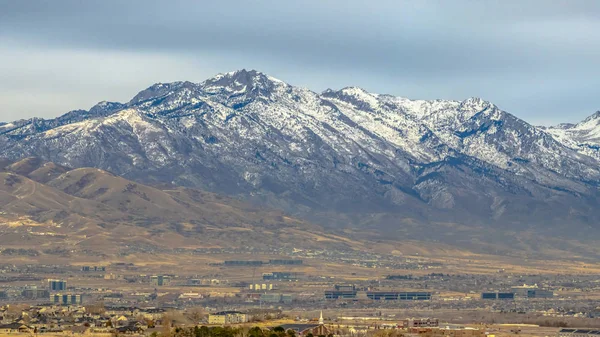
[227, 317]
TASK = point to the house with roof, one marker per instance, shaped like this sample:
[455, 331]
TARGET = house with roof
[130, 329]
[15, 327]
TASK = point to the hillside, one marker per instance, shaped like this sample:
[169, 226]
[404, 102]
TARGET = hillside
[92, 211]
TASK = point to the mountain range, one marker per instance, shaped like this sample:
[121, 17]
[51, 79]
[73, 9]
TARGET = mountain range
[461, 172]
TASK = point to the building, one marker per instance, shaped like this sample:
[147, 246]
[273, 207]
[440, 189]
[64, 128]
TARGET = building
[276, 298]
[578, 333]
[263, 314]
[282, 276]
[539, 293]
[32, 293]
[160, 280]
[399, 296]
[227, 317]
[66, 299]
[531, 292]
[57, 285]
[93, 268]
[340, 294]
[447, 332]
[420, 323]
[270, 298]
[497, 296]
[345, 287]
[264, 286]
[242, 263]
[285, 262]
[14, 328]
[287, 298]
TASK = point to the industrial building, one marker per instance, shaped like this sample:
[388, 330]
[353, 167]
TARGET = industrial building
[66, 299]
[341, 292]
[227, 317]
[337, 294]
[160, 280]
[57, 285]
[242, 263]
[497, 296]
[285, 262]
[276, 298]
[93, 268]
[398, 296]
[531, 292]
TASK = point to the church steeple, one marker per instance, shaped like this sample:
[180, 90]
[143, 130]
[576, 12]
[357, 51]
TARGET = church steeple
[321, 321]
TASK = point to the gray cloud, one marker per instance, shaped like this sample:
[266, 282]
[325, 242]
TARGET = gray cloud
[536, 59]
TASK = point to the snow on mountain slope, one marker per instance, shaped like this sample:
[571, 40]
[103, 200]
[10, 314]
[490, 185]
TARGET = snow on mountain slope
[248, 134]
[583, 137]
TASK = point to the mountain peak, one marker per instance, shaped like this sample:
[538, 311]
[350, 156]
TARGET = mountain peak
[246, 83]
[241, 77]
[593, 117]
[475, 104]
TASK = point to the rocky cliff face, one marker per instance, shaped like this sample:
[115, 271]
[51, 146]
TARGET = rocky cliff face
[346, 152]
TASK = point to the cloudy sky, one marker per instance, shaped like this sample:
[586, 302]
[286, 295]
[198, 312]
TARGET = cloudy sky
[539, 60]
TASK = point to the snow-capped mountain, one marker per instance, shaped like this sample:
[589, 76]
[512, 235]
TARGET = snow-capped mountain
[348, 151]
[583, 137]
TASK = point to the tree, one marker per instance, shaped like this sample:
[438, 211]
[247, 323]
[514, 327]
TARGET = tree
[196, 314]
[256, 332]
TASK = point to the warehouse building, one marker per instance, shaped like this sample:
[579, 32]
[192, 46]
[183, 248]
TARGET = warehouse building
[340, 294]
[160, 280]
[497, 296]
[285, 262]
[233, 263]
[399, 296]
[531, 292]
[276, 298]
